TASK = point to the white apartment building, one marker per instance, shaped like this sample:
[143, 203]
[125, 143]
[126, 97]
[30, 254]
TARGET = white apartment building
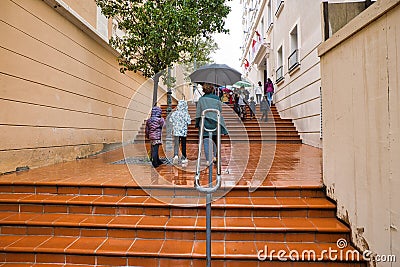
[280, 42]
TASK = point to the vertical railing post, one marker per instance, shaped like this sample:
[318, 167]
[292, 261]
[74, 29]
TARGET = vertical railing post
[208, 200]
[211, 188]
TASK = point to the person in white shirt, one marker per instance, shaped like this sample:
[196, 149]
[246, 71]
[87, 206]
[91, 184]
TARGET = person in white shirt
[258, 92]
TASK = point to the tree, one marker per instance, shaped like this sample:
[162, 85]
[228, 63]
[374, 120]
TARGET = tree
[201, 55]
[204, 47]
[161, 32]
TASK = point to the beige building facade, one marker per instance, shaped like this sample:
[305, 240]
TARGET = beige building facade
[343, 95]
[360, 67]
[62, 95]
[280, 42]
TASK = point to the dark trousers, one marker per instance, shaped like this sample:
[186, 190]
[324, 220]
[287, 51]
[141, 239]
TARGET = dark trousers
[252, 113]
[258, 97]
[207, 147]
[155, 159]
[182, 140]
[264, 115]
[243, 111]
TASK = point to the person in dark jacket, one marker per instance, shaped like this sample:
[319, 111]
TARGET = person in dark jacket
[264, 107]
[252, 106]
[207, 101]
[153, 132]
[236, 106]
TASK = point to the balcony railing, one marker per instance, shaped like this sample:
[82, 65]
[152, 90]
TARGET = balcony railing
[293, 60]
[279, 74]
[271, 25]
[279, 9]
[262, 49]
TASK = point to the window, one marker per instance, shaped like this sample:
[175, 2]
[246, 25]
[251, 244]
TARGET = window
[102, 23]
[293, 59]
[269, 10]
[279, 70]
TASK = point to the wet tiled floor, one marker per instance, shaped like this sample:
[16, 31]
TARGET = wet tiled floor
[89, 212]
[280, 165]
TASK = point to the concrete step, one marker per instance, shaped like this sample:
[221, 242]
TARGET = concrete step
[92, 251]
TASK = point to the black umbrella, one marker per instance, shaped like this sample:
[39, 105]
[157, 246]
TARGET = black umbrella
[217, 74]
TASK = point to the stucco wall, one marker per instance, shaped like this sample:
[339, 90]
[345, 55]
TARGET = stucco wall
[361, 126]
[85, 8]
[62, 95]
[297, 97]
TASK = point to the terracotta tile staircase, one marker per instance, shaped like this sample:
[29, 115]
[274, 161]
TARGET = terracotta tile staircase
[91, 213]
[86, 225]
[275, 130]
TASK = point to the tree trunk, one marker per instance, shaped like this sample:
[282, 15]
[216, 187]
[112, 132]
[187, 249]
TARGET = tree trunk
[156, 78]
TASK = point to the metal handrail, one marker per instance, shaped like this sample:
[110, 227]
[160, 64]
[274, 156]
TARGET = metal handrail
[210, 188]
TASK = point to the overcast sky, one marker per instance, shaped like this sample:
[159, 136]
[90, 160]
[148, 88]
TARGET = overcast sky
[229, 44]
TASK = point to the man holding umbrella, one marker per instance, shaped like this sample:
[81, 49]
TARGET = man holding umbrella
[208, 76]
[207, 101]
